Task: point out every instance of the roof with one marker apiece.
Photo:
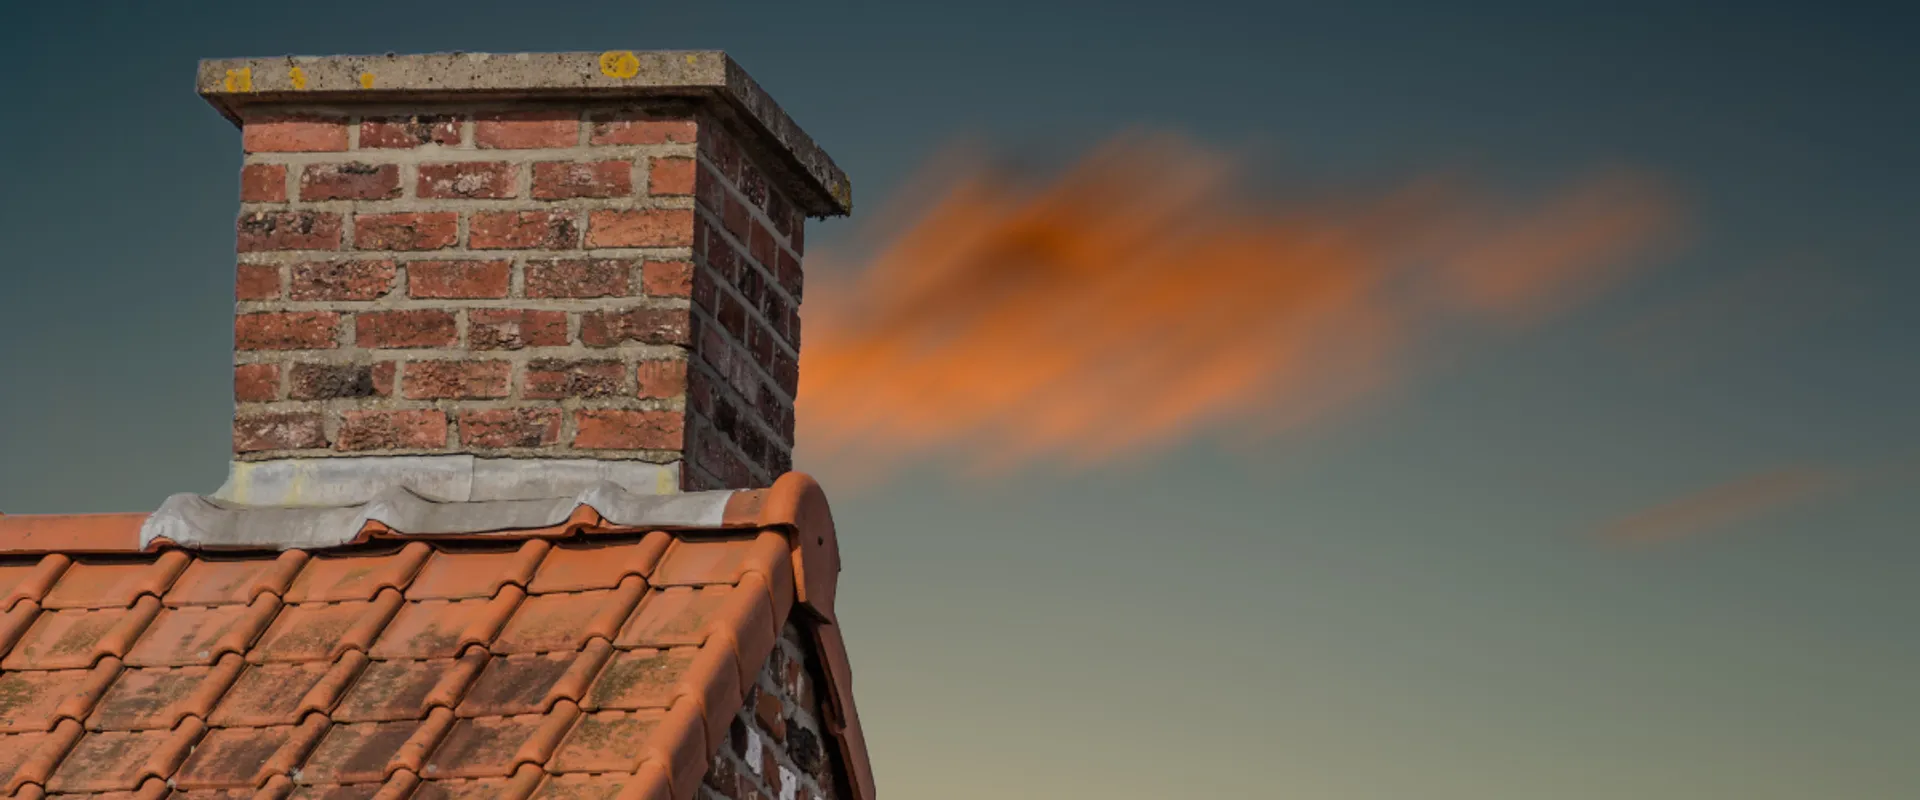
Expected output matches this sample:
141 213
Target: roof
589 658
817 183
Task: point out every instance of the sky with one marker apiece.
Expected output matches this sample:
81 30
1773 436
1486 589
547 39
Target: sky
1654 538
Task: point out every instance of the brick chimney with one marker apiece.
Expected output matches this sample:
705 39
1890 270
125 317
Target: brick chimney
568 257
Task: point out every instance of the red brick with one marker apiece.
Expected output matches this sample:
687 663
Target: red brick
763 246
471 179
510 427
561 180
288 230
256 282
294 135
341 280
789 274
263 183
399 329
550 379
578 278
671 176
615 130
523 230
253 433
256 383
652 227
667 278
456 380
662 379
409 132
458 279
350 181
709 190
613 429
392 430
512 329
526 130
645 325
340 381
285 330
410 231
737 218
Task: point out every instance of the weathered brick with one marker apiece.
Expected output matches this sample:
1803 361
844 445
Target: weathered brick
338 381
263 183
526 129
285 330
288 230
512 329
627 129
409 132
552 379
341 280
650 227
458 279
256 383
423 429
661 379
256 282
667 278
469 179
753 185
605 277
349 181
456 380
254 433
294 134
762 246
737 218
644 325
403 329
769 712
510 427
671 176
409 231
789 274
523 230
709 189
562 180
615 429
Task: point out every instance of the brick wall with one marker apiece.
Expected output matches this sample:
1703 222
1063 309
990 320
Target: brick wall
566 281
776 749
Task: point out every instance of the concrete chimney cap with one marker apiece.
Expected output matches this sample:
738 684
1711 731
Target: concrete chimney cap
233 85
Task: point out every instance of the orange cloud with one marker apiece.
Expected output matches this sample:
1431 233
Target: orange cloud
1717 507
1142 297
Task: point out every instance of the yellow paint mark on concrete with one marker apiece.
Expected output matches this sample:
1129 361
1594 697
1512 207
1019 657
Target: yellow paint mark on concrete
693 60
240 80
366 80
298 77
667 482
619 64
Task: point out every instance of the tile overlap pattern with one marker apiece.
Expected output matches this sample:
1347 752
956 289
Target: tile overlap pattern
604 666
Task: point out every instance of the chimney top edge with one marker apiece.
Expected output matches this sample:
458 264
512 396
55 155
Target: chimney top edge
231 85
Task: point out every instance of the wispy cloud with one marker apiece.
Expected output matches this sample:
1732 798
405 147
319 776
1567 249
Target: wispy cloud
1144 297
1719 507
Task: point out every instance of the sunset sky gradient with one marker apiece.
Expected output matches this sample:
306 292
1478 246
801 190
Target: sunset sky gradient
1503 400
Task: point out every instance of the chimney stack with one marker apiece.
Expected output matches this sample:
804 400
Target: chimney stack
557 260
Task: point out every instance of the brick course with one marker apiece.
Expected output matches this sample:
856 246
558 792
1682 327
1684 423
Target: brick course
776 745
571 282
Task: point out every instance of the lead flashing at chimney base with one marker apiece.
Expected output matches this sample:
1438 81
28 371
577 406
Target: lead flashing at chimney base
512 259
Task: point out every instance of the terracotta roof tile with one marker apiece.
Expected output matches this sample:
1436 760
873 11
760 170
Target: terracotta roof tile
114 582
581 661
442 628
202 634
322 631
230 579
76 638
358 576
476 571
160 698
579 566
565 621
